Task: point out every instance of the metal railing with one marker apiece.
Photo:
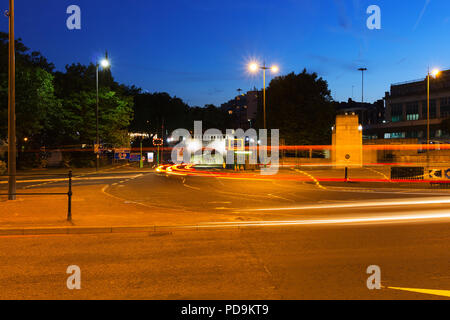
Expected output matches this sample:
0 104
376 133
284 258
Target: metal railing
69 193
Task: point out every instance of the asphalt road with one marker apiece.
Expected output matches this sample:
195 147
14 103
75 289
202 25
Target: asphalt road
285 240
263 263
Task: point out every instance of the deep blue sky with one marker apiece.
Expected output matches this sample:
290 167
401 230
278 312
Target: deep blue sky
198 49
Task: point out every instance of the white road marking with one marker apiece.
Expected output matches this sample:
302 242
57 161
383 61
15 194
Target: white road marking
191 187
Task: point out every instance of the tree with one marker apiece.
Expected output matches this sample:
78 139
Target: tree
153 111
76 88
35 99
300 106
211 117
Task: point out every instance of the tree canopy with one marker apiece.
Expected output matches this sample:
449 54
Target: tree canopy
300 106
58 108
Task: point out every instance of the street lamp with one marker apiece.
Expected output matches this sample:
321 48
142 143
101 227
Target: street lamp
434 73
362 83
253 67
105 64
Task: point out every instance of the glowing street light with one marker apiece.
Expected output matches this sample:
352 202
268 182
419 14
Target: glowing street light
435 72
253 67
105 64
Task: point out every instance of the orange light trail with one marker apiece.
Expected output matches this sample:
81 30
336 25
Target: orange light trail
188 170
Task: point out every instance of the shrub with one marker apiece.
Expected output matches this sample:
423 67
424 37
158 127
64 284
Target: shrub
2 167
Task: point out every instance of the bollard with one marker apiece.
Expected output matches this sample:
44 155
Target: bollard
346 174
69 194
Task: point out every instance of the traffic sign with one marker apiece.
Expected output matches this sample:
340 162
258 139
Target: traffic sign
135 157
236 144
122 155
158 142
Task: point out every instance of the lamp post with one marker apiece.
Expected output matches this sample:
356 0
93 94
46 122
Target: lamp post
239 106
11 107
435 73
105 64
362 85
253 68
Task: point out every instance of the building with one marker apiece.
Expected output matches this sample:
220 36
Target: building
406 111
243 109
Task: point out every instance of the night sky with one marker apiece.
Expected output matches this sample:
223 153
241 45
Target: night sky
198 49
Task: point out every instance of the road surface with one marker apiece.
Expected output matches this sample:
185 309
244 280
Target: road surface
284 240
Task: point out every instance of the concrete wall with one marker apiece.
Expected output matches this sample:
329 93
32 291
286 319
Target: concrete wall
347 142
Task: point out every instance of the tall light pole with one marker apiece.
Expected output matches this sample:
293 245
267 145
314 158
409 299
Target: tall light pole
362 85
239 90
253 68
105 64
11 107
435 73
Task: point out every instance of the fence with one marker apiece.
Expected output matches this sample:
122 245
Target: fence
69 194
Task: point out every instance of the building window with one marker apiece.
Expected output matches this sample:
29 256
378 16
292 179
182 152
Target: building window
395 135
412 134
432 109
397 112
445 107
412 111
398 135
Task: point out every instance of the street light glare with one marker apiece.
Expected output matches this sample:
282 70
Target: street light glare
275 69
253 67
436 72
104 63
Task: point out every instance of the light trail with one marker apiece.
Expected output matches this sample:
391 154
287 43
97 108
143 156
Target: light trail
340 221
188 170
365 204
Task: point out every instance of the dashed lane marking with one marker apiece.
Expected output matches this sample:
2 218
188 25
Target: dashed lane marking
312 178
380 173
